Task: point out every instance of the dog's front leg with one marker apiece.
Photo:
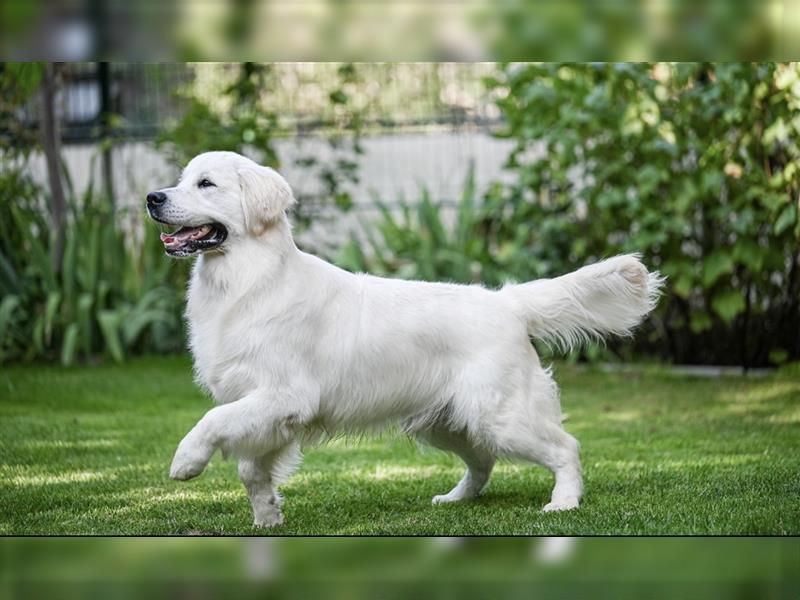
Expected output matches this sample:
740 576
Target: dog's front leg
259 478
260 423
256 475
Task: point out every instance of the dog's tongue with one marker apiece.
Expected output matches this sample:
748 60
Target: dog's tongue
184 234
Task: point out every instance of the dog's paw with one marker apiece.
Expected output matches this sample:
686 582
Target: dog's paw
449 498
266 519
189 462
563 504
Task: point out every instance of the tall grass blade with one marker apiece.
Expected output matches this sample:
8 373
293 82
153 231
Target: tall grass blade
109 321
70 344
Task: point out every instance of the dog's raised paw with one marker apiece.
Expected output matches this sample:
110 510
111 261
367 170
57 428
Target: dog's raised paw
185 471
188 464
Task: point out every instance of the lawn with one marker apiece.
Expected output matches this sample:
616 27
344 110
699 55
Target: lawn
85 450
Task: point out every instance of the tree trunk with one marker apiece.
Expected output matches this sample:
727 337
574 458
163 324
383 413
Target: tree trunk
104 77
51 143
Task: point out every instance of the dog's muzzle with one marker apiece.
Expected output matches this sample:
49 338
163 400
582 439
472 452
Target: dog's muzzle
186 240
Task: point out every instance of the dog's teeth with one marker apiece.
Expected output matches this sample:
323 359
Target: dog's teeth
201 231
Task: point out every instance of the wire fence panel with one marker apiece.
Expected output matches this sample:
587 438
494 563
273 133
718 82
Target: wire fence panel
422 126
140 99
143 99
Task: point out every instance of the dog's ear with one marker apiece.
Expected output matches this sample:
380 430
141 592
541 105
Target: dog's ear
265 197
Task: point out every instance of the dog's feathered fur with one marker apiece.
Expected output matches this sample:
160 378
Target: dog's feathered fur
289 344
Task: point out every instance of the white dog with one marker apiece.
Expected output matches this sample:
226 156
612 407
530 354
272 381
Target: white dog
291 346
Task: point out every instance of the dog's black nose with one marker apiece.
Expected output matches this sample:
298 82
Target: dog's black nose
156 198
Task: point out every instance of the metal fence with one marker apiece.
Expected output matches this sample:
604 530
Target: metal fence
423 125
137 101
128 101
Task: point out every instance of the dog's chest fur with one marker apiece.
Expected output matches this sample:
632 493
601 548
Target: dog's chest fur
218 348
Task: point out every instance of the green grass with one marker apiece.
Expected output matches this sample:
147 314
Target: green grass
356 568
86 450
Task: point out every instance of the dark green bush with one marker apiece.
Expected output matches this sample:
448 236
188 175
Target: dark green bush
694 165
113 295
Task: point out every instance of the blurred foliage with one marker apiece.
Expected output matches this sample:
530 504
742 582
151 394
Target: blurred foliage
18 83
246 124
695 165
114 296
326 30
380 95
416 242
628 30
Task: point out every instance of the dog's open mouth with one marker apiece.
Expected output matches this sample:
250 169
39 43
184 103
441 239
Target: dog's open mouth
188 240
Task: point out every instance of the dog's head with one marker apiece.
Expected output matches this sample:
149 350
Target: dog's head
221 197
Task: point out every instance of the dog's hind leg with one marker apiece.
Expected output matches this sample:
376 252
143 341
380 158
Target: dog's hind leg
261 475
547 444
529 426
559 452
479 461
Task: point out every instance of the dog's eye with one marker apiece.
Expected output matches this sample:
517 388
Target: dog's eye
204 183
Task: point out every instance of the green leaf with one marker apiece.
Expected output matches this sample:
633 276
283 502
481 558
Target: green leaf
343 201
786 219
728 304
141 317
430 220
750 254
84 320
716 265
38 336
53 303
9 281
69 345
776 132
683 285
700 322
7 308
338 97
351 257
109 322
778 356
466 207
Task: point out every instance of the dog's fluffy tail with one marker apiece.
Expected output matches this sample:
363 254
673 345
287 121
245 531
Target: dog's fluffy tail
607 298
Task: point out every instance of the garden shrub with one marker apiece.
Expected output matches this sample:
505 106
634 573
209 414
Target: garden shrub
694 165
110 294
